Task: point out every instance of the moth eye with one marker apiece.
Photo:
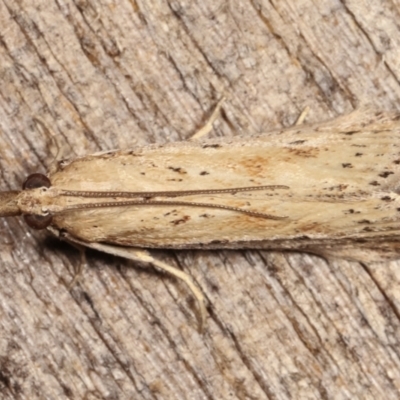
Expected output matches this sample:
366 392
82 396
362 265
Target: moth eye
35 181
38 221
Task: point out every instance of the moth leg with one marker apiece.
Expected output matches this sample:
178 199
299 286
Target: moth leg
302 116
140 255
82 264
146 257
59 151
207 127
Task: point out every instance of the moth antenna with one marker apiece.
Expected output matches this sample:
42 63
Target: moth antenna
169 203
172 193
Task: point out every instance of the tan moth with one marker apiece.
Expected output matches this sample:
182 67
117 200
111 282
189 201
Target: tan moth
330 189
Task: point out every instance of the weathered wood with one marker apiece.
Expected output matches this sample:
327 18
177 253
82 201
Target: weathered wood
101 75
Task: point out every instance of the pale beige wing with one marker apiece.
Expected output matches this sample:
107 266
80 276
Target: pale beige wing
342 184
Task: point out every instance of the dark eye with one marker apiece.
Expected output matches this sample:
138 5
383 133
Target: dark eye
38 221
35 181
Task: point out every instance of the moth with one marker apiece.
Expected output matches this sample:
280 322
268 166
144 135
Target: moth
330 189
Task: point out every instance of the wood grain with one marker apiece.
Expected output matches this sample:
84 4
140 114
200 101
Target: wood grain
100 75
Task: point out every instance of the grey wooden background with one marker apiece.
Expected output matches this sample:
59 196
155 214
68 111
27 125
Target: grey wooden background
118 74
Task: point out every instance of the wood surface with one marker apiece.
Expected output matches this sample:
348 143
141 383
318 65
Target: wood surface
99 75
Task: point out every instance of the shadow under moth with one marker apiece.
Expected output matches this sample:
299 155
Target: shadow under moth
330 189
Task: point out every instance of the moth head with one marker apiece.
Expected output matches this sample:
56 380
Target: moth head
36 181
